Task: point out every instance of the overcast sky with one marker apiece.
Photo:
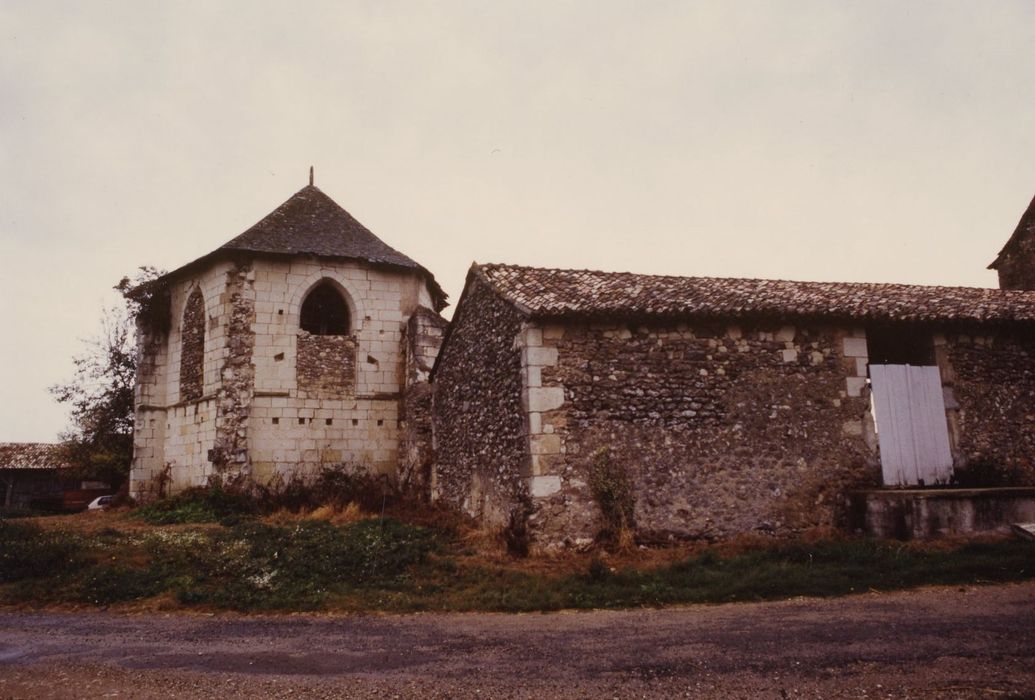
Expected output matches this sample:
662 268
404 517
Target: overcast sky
859 141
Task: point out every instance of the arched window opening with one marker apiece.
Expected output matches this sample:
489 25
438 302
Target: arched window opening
192 350
324 311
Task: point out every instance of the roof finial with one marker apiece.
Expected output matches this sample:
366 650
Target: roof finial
310 176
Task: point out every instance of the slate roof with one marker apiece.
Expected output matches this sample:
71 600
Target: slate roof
311 223
548 293
1026 224
30 455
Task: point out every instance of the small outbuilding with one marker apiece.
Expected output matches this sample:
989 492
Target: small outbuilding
32 471
567 402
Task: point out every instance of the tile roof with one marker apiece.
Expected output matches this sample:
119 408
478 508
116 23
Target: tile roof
311 223
30 455
586 293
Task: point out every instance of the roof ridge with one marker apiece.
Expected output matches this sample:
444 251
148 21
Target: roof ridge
551 292
747 279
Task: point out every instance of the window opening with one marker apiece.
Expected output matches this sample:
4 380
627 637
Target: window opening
324 311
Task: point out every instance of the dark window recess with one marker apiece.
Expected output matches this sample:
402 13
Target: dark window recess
355 421
324 311
381 422
276 421
301 421
329 421
900 345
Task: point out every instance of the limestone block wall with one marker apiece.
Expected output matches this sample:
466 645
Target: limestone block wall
254 415
169 431
322 400
480 436
719 429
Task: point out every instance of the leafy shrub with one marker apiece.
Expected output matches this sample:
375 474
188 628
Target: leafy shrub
228 502
207 504
336 486
613 492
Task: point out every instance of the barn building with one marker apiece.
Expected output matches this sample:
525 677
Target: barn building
570 401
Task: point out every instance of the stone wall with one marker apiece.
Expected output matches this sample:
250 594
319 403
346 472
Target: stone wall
718 429
170 430
192 357
253 416
424 333
1016 268
990 382
479 424
229 454
326 366
296 429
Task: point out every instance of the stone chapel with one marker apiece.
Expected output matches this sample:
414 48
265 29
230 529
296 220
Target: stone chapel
305 341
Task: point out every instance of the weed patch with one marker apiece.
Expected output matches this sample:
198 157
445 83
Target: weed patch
27 552
390 565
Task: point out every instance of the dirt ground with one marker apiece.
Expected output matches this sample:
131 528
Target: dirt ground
945 642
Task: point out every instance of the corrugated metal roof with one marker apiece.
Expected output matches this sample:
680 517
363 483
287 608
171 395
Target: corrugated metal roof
563 293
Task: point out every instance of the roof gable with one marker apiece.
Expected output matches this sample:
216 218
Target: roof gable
549 293
1026 226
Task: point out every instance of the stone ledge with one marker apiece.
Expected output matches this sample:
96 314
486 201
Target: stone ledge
930 513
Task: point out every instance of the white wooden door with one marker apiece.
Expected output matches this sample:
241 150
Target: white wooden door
911 427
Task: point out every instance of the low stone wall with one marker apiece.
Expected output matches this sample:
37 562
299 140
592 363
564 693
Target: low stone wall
930 513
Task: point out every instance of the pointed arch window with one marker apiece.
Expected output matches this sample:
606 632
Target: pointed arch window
324 311
192 350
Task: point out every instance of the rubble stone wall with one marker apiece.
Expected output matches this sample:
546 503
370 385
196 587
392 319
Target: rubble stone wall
718 429
424 333
326 366
990 383
192 355
480 442
1017 268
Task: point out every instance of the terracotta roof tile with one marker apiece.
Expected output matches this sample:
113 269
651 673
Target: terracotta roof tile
30 455
563 293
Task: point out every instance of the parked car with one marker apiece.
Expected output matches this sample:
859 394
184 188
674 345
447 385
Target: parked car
100 503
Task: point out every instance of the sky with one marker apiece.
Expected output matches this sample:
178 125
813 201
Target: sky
855 141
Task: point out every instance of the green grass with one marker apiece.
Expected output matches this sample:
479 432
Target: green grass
394 566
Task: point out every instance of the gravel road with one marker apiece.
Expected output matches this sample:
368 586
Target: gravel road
944 642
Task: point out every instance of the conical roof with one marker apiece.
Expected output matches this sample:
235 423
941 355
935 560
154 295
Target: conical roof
311 223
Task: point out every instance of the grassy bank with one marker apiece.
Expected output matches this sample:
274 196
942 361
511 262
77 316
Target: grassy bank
344 561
